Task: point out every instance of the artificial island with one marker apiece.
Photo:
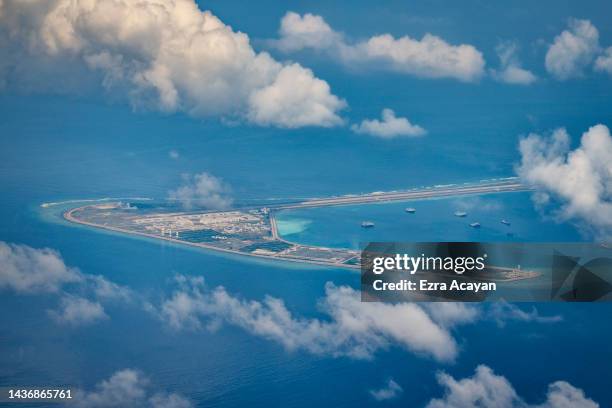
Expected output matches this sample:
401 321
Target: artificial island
252 231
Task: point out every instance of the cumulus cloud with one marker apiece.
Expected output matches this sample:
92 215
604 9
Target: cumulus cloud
202 191
484 389
604 61
429 57
579 180
307 31
487 389
296 98
573 50
562 394
163 55
354 329
28 270
102 288
173 154
502 312
77 311
161 400
510 70
130 389
391 390
388 127
449 314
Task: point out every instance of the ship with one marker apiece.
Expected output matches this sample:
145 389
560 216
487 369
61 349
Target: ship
367 224
505 222
475 225
460 214
410 210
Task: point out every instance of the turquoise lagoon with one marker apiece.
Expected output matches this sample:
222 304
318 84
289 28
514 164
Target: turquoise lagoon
434 220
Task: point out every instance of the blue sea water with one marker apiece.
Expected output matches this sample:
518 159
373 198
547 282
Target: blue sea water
49 160
55 148
434 220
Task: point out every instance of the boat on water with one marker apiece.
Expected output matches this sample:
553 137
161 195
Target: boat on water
475 225
460 214
410 210
367 224
505 222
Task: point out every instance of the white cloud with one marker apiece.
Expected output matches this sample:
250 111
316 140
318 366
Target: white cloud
573 50
449 314
308 31
29 270
163 55
130 389
173 154
161 400
391 390
580 180
510 70
604 61
487 389
77 311
562 394
389 127
503 312
202 191
296 98
484 389
513 74
354 329
104 289
429 57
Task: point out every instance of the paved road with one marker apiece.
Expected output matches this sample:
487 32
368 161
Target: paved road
507 185
493 187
